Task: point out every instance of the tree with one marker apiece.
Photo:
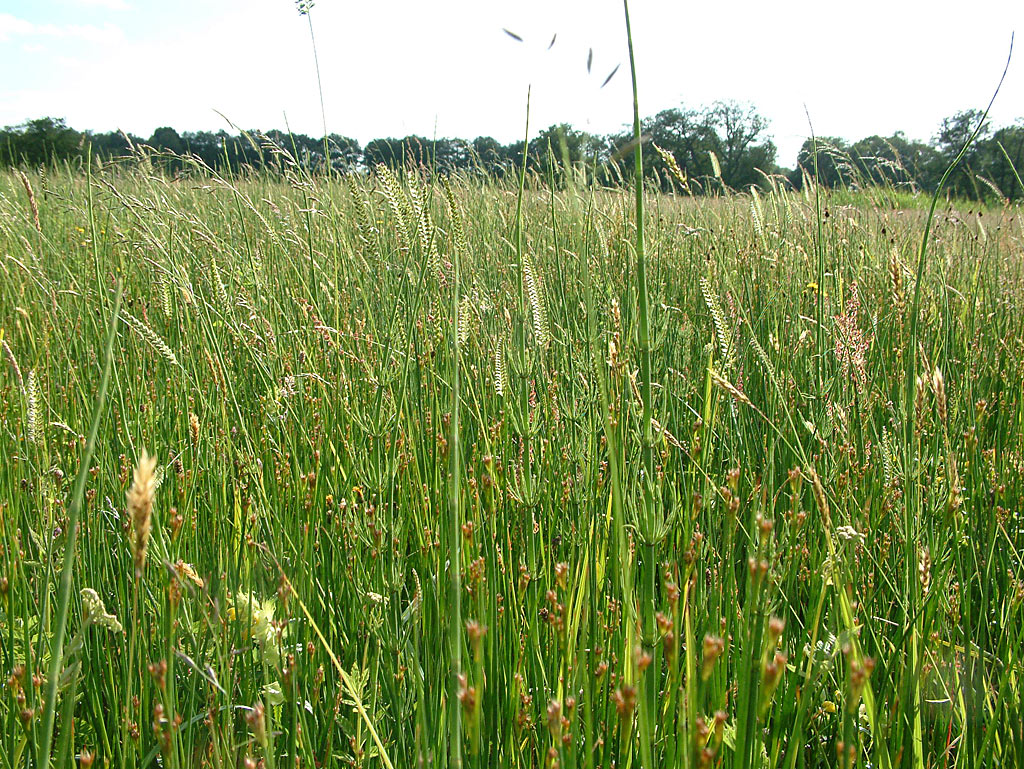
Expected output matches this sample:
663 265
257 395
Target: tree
442 155
449 155
556 143
953 135
734 132
112 144
895 161
738 135
489 155
166 138
409 151
1004 169
167 141
42 140
826 158
683 133
346 155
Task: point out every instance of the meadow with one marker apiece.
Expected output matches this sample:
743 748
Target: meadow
397 470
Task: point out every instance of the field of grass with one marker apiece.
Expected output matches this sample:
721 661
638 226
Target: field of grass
423 496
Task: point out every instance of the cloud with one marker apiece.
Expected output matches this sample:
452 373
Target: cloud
110 5
12 26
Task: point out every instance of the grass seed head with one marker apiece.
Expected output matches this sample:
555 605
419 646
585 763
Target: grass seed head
140 508
9 354
33 205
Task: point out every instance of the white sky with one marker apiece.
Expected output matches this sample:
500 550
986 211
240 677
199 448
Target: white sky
445 67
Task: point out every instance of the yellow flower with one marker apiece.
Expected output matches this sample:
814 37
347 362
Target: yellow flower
260 615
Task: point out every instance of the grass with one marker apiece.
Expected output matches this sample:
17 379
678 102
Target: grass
403 513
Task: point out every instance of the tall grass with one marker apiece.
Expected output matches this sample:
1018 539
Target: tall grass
399 516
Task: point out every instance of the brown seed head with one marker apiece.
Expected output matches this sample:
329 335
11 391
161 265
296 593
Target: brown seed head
140 509
193 428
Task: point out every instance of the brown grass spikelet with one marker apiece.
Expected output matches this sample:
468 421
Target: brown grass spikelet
851 343
193 428
819 496
9 354
140 508
31 200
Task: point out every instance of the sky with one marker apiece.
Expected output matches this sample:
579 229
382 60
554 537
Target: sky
447 68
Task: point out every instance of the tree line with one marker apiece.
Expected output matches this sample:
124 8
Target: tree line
701 150
990 168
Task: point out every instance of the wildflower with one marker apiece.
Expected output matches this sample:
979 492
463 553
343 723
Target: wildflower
260 615
95 613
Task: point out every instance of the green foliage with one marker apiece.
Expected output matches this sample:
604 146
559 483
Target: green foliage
896 163
41 141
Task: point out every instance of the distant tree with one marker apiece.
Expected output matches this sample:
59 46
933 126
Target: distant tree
269 140
557 143
112 144
738 136
917 157
299 149
208 146
734 132
166 138
951 138
826 158
957 129
489 155
386 151
394 153
1004 169
346 154
685 134
42 140
449 155
894 160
